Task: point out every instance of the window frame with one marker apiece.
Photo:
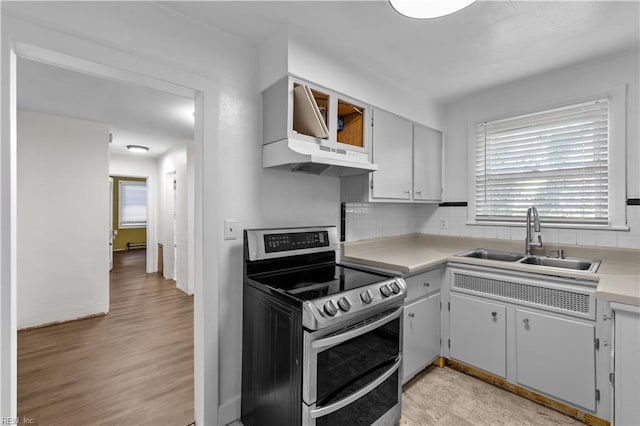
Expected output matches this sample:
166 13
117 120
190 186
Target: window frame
617 160
136 225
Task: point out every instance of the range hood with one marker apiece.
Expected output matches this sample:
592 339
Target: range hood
307 157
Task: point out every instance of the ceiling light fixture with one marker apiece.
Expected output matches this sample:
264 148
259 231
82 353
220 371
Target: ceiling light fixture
138 148
424 9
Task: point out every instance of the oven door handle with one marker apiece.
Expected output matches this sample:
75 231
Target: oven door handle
323 411
343 337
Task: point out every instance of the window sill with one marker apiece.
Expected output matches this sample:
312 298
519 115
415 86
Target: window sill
582 227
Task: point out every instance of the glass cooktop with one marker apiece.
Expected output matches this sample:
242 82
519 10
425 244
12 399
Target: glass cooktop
319 281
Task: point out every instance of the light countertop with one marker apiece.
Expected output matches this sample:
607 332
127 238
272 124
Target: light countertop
618 278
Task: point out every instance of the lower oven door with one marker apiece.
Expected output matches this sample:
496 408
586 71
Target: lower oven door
352 376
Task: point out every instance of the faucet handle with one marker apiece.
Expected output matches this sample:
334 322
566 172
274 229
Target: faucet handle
559 253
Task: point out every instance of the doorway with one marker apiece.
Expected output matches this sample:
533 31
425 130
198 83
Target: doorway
95 322
90 57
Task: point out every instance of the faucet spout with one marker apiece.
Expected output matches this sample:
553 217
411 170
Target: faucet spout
536 219
533 221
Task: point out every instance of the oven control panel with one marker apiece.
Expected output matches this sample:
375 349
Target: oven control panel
295 241
274 243
330 310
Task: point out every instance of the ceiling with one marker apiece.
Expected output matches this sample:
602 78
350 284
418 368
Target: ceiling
487 44
136 115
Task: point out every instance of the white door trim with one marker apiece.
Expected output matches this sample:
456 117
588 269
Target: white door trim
31 41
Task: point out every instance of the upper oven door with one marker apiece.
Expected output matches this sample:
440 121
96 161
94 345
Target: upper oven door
343 362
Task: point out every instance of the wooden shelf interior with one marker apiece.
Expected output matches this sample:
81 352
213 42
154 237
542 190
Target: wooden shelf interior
350 123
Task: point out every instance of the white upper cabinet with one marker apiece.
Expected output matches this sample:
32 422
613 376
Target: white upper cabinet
295 108
392 139
409 159
311 129
427 164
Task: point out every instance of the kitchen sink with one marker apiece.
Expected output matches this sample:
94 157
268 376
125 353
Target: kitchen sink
552 262
492 255
566 263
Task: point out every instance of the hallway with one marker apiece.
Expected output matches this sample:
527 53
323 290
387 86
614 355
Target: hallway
133 366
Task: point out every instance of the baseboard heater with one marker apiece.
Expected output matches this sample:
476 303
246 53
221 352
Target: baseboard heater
134 246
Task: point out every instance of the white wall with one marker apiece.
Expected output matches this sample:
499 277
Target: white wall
542 90
233 182
327 70
144 167
174 163
365 221
63 219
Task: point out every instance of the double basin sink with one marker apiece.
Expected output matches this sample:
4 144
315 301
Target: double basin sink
575 264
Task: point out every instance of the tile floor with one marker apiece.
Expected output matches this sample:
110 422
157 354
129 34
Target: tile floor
442 396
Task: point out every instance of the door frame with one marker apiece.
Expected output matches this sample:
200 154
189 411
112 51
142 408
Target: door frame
34 42
169 210
110 223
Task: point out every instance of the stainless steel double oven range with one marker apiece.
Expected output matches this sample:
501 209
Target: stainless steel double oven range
322 342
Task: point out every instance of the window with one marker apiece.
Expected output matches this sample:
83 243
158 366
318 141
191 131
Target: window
568 162
132 211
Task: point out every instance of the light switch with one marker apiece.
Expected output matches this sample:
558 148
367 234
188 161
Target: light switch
230 232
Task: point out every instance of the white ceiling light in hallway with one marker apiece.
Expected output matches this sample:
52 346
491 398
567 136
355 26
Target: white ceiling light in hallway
138 149
425 9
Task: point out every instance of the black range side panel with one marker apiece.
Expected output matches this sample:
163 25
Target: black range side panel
271 361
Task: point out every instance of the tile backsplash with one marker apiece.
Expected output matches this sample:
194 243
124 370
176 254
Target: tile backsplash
367 220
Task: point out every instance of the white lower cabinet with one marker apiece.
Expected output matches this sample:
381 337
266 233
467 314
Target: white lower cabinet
626 365
478 333
421 344
422 332
538 332
556 356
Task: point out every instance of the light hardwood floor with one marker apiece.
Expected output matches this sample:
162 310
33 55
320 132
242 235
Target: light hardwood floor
131 367
442 396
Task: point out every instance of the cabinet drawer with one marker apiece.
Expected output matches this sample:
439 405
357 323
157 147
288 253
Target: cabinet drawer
422 284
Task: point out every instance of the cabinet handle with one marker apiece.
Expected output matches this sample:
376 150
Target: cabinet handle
427 284
411 315
494 314
526 320
418 192
408 191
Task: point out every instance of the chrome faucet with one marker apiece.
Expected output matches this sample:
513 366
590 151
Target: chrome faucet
529 242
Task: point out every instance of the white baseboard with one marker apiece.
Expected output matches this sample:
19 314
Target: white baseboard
229 412
39 323
184 289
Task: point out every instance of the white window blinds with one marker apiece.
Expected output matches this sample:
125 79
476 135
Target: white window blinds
132 210
557 160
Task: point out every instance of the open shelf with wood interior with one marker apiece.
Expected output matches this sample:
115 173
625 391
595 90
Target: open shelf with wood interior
350 123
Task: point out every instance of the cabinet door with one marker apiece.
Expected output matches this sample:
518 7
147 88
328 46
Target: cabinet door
392 152
478 333
427 164
421 339
627 368
556 356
